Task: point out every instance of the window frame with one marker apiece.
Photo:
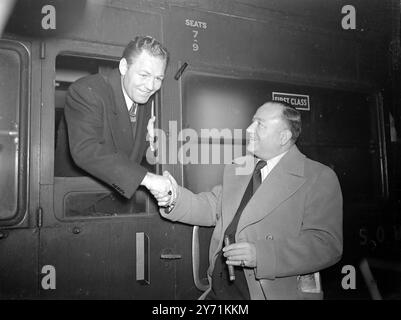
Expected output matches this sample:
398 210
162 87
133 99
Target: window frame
368 92
23 130
64 185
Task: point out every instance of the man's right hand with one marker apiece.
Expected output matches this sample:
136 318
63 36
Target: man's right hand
156 183
161 187
170 199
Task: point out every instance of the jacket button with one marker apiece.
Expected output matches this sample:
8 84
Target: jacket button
269 237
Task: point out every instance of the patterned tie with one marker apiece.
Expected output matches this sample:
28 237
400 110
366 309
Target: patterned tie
132 112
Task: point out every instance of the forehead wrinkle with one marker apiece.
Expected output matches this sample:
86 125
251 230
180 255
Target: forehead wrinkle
269 118
146 59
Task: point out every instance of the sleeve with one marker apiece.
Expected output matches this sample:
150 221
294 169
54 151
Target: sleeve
319 243
85 120
202 209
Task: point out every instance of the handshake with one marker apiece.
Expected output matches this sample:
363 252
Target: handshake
164 188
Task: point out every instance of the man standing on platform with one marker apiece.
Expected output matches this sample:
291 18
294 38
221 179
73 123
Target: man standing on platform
284 219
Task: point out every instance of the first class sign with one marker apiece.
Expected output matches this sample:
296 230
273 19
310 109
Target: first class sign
299 101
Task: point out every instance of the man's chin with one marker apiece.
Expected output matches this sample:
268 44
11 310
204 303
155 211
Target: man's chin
142 100
251 148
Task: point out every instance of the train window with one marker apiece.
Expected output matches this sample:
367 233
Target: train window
219 102
82 195
68 70
215 107
13 132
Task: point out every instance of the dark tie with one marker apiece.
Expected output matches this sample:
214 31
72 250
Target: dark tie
257 175
132 113
253 185
222 288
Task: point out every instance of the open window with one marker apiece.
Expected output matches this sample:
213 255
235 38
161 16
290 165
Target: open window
79 194
68 70
14 110
338 130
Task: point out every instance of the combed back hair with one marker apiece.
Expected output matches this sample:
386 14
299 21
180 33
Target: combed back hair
145 43
293 118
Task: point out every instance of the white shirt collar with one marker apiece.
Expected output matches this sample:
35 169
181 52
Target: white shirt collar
270 164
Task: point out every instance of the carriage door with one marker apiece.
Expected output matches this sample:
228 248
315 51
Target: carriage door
18 239
95 243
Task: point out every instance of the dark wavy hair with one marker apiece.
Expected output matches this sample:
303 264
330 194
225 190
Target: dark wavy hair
145 43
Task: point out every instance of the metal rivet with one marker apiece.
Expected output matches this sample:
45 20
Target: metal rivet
3 234
76 230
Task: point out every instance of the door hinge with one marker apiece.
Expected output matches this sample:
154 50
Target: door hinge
39 217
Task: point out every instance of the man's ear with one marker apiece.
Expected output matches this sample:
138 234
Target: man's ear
123 66
285 136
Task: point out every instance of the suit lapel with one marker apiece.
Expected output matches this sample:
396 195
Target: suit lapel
234 189
282 182
120 125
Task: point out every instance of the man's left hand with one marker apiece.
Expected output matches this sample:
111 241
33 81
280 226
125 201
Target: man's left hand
241 254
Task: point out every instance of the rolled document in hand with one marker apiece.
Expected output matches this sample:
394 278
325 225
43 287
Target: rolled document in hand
151 128
230 267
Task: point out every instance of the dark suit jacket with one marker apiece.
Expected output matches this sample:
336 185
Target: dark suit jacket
100 133
294 219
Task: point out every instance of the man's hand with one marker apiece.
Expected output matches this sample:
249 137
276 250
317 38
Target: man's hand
158 185
171 197
163 188
241 254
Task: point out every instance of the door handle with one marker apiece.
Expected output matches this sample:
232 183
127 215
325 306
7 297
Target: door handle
199 283
167 254
170 256
9 133
142 258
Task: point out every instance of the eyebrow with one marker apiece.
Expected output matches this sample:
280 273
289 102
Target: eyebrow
259 119
149 73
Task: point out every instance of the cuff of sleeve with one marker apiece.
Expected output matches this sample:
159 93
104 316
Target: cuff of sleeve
266 260
135 182
176 206
169 208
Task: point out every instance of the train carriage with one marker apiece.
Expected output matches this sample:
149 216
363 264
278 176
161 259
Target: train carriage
227 58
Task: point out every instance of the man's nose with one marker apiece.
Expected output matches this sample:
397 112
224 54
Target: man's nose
150 84
251 127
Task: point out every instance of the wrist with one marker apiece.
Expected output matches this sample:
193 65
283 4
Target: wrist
169 208
146 180
172 192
